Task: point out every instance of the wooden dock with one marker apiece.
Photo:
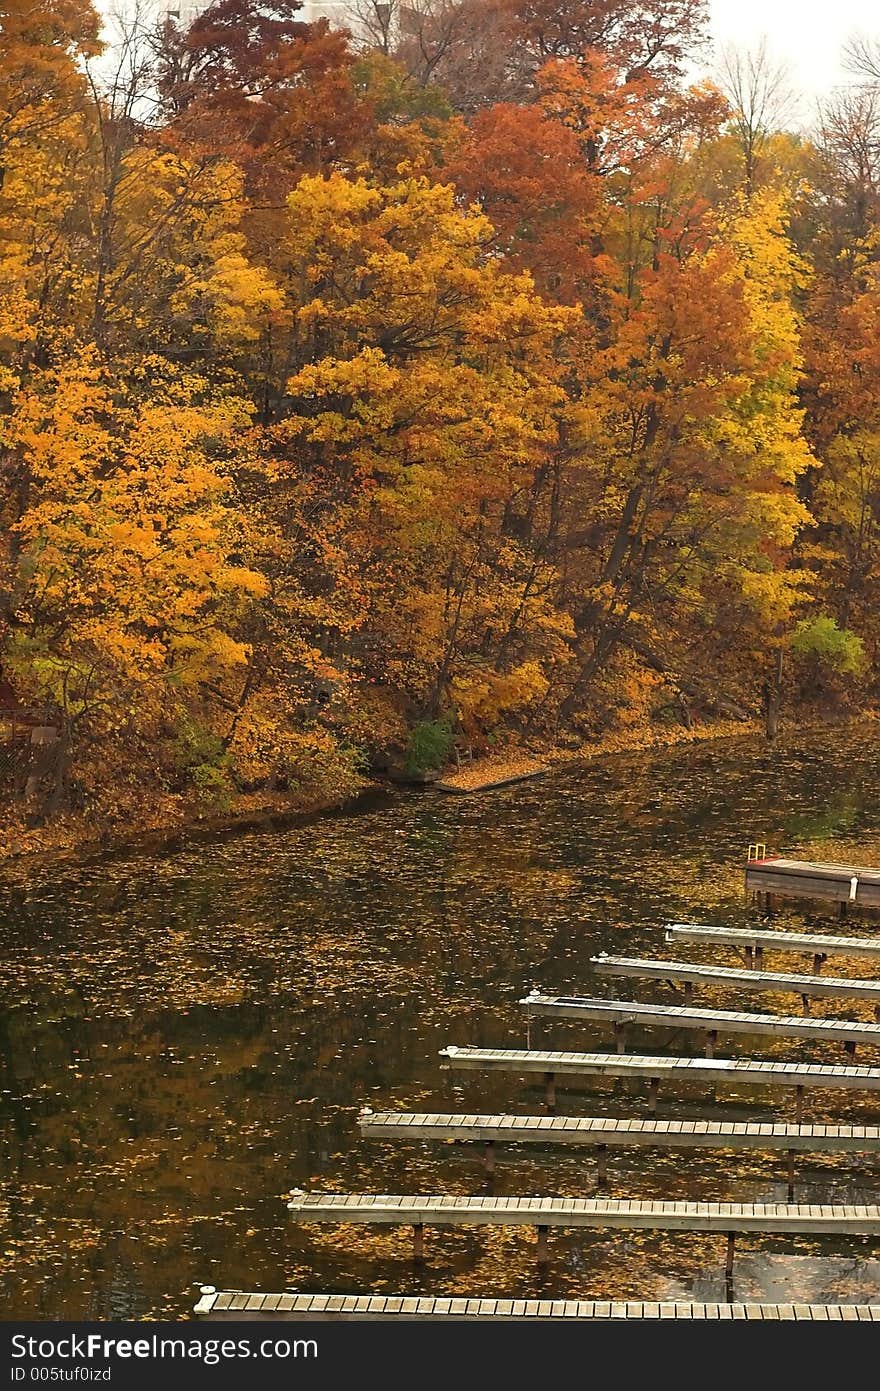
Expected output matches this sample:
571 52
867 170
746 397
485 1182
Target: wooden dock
711 1022
487 774
691 974
444 1210
754 941
845 885
750 1071
601 1133
217 1305
604 1130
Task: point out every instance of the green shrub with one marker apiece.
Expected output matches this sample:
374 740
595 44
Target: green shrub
430 742
836 649
214 785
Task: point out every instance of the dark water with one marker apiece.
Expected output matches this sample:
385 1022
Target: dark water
187 1036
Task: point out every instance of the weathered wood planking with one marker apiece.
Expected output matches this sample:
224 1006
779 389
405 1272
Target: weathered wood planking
842 884
444 1210
693 974
604 1130
758 938
720 1021
234 1304
758 1072
490 782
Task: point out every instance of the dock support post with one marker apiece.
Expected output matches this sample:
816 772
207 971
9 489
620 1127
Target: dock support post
620 1035
489 1157
602 1165
818 959
543 1252
749 958
759 957
550 1081
850 1047
805 1002
688 991
799 1105
418 1243
711 1040
653 1088
877 1013
791 1176
728 1265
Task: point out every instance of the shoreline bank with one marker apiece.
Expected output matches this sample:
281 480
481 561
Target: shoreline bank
175 823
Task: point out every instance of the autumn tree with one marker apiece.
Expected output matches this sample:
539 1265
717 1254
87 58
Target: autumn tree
760 98
691 418
250 81
420 417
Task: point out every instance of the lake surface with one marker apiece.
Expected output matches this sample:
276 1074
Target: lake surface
186 1036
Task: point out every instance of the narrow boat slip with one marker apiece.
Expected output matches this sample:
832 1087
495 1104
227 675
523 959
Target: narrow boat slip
448 1211
757 1071
759 939
603 1130
722 1021
693 974
234 1304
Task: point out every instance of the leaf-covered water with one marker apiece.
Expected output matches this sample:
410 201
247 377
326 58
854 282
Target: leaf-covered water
186 1036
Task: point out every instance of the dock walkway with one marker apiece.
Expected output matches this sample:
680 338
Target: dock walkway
751 1071
620 1013
691 974
236 1304
604 1130
754 941
444 1210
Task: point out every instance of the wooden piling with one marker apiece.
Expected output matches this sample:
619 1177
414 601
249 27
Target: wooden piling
543 1252
620 1035
711 1040
602 1165
418 1242
550 1082
653 1088
791 1176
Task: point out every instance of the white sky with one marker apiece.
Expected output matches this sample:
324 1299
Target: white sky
808 35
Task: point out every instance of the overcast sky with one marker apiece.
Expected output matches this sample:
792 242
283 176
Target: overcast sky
807 34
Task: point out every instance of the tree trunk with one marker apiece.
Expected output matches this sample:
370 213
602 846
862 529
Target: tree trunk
774 697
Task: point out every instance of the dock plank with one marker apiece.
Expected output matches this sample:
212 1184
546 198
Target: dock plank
214 1307
695 974
584 1007
749 1070
769 940
438 1210
593 1130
